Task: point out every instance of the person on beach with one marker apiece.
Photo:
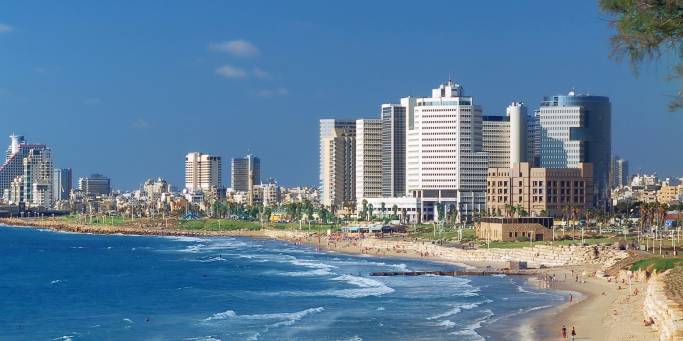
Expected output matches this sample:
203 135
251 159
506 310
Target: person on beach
564 332
573 333
571 298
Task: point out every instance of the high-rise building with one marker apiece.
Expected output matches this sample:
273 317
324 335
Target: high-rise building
28 170
368 158
619 172
577 129
393 150
337 163
445 163
496 140
14 163
202 172
246 173
62 182
95 184
34 186
533 141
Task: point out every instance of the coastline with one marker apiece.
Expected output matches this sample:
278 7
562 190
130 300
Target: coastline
591 313
604 310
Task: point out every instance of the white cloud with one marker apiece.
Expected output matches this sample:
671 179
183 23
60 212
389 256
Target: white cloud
140 123
267 93
260 73
229 71
4 28
239 48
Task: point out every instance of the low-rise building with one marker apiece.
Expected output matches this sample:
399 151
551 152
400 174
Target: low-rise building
511 229
539 191
405 209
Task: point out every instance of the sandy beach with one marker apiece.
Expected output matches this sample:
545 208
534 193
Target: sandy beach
601 310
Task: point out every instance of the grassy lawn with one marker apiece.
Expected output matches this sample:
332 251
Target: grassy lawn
102 220
516 244
218 225
426 231
657 263
305 227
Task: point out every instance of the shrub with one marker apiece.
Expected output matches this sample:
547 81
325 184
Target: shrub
522 239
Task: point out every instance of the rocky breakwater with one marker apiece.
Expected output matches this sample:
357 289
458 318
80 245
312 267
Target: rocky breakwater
662 306
535 256
122 229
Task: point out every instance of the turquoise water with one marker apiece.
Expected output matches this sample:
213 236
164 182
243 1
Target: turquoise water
68 286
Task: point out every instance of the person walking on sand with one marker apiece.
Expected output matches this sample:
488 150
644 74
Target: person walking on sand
573 333
571 298
564 332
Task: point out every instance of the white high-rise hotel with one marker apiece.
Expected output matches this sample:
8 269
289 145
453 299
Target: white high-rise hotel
202 172
444 159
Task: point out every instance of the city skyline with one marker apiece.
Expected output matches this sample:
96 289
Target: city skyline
241 78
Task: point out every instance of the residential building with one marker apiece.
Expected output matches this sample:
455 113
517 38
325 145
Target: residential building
669 194
33 187
271 193
154 189
619 173
393 152
13 166
337 163
246 173
202 172
62 182
539 191
445 162
576 129
95 184
496 140
368 158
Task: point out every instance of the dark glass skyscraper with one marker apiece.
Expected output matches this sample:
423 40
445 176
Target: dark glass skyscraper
577 129
242 169
393 150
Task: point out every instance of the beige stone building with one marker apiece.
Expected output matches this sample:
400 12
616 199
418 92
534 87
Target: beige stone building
539 191
511 229
669 194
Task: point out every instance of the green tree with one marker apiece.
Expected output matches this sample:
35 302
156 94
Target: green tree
646 30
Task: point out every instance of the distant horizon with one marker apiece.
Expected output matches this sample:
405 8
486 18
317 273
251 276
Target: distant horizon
130 100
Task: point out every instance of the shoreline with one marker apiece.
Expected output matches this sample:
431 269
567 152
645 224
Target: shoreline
591 314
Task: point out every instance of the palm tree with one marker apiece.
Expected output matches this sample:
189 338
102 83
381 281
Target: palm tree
382 208
370 208
394 211
365 210
575 215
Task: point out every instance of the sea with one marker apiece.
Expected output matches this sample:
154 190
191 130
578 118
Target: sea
72 286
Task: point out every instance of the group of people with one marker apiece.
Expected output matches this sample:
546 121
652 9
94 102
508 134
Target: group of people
564 333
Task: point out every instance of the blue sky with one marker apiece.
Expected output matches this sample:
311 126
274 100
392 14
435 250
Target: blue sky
127 88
